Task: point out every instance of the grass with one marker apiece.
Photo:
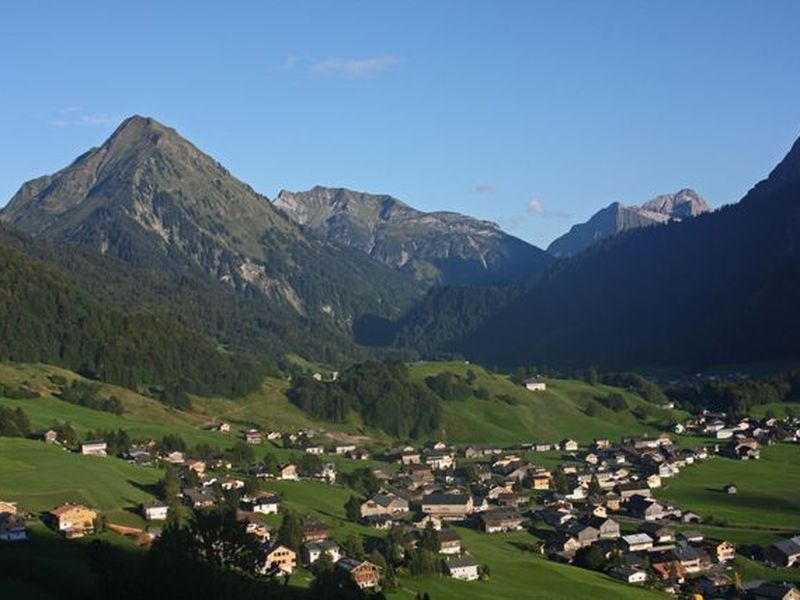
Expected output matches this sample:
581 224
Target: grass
767 489
780 409
547 416
518 574
39 477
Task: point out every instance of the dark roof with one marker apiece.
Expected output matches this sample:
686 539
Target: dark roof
445 499
465 560
448 535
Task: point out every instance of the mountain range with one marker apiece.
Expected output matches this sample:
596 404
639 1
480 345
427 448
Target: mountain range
616 218
148 224
437 248
719 288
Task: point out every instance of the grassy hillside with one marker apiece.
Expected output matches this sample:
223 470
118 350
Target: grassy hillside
767 494
519 574
39 477
523 416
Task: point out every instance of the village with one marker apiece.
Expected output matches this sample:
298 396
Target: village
594 506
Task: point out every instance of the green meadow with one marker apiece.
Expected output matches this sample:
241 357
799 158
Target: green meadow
516 573
767 495
514 414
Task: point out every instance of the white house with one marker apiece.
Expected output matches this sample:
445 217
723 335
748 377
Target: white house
312 551
628 575
463 567
535 385
154 511
266 504
94 448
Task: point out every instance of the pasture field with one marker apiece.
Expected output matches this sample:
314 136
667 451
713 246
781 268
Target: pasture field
767 489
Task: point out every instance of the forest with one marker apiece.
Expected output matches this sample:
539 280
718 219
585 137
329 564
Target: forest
381 393
46 318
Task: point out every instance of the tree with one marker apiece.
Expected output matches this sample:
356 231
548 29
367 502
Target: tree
518 376
290 533
429 539
590 557
352 509
591 377
594 486
560 481
354 546
309 465
241 453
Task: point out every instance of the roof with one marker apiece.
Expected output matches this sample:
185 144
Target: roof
637 538
460 562
448 535
64 508
789 547
349 564
445 499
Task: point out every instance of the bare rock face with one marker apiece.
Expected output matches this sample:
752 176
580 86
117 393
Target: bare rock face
436 248
617 218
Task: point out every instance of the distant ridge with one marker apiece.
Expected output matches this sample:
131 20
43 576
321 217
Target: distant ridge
436 248
617 217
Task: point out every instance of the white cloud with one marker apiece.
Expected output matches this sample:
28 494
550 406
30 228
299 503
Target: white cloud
341 67
537 209
353 67
103 119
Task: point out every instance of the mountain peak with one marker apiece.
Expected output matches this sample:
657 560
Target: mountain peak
616 217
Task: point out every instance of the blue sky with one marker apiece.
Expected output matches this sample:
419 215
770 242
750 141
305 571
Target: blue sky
531 114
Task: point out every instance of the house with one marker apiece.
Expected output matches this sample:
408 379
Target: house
500 520
465 567
586 534
426 520
328 473
440 460
313 530
312 551
279 559
661 534
344 449
450 542
253 436
562 544
540 482
785 553
633 488
364 574
761 590
154 511
199 497
535 385
12 527
607 529
48 436
646 508
722 550
8 507
315 450
410 457
288 472
447 506
637 542
198 466
569 445
629 575
384 503
266 504
94 448
231 483
174 458
73 520
690 557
